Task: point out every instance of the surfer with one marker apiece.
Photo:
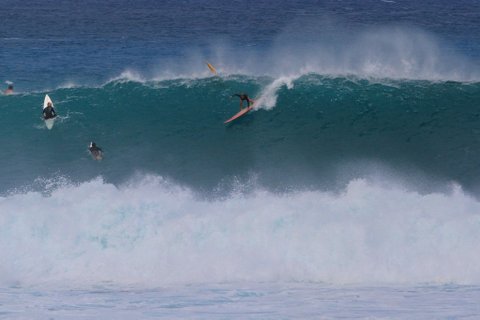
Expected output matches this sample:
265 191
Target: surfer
243 97
95 151
9 89
49 112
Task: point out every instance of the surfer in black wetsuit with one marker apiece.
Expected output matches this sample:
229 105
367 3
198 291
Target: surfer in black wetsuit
243 97
96 152
49 112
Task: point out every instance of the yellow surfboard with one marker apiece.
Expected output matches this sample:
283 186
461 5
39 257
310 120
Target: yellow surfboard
212 68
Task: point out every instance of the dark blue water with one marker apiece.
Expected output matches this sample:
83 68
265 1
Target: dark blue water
47 43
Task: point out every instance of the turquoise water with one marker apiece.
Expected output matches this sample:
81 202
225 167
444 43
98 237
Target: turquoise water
316 127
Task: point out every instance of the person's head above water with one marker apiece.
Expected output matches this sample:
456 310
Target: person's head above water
9 89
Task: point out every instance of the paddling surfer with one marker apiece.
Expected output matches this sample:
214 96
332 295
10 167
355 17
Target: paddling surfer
49 112
243 97
95 151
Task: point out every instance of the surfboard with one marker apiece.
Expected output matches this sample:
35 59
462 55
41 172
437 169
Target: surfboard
48 122
212 68
239 114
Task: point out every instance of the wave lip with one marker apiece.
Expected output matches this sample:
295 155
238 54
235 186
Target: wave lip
384 52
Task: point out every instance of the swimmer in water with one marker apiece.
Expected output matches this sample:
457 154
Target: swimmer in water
9 89
95 151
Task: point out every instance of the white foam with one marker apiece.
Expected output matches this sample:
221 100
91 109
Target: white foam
68 85
152 233
268 97
129 75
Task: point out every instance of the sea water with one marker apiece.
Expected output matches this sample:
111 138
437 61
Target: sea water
350 191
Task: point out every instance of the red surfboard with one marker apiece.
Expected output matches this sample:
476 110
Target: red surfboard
239 114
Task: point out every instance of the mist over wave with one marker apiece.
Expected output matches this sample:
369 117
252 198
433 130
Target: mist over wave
152 232
388 52
324 47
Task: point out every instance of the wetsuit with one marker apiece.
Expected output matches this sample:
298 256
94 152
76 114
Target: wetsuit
49 113
95 151
243 97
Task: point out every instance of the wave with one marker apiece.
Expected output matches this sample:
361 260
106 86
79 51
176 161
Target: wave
152 232
313 131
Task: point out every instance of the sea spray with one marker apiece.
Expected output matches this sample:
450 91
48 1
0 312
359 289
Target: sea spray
153 232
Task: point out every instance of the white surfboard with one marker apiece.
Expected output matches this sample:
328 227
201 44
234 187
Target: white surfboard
48 122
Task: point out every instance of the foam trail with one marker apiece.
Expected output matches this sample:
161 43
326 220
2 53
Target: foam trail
268 97
154 233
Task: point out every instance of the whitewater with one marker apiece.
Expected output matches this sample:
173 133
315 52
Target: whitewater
96 232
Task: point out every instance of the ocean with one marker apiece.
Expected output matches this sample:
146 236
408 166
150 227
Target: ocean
351 189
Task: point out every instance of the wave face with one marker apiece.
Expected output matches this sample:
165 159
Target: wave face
311 131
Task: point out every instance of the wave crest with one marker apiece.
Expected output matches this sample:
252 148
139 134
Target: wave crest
382 53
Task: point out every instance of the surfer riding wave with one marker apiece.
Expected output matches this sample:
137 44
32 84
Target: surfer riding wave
243 97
